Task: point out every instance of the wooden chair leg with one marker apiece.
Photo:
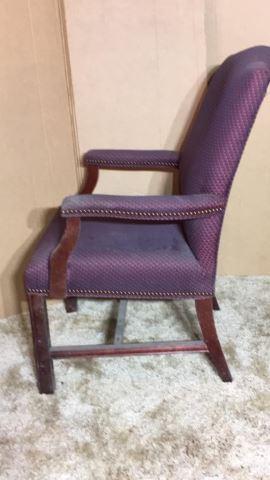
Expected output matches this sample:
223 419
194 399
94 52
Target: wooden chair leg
71 304
215 304
41 341
204 310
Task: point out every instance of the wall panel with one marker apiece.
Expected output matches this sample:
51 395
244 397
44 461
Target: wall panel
36 144
136 70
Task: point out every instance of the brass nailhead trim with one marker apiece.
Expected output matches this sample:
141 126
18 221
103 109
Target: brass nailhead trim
145 214
118 163
117 292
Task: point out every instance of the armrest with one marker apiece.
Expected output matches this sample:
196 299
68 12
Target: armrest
145 208
132 159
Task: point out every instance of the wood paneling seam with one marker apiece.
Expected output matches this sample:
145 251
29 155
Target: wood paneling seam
71 104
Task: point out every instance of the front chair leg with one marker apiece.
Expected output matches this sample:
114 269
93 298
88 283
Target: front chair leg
71 304
204 310
42 343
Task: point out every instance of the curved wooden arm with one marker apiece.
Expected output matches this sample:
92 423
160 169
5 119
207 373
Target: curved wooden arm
91 179
59 259
60 255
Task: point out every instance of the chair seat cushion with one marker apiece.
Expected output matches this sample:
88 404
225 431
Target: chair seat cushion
122 259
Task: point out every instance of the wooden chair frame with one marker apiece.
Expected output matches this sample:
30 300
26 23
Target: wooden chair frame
45 353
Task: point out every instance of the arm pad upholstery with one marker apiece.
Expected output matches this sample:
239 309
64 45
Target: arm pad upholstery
145 208
132 159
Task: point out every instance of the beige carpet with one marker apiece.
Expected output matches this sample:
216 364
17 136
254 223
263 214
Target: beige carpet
151 418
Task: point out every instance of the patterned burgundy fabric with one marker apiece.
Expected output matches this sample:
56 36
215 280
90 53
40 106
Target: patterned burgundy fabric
213 147
132 158
114 259
121 258
145 208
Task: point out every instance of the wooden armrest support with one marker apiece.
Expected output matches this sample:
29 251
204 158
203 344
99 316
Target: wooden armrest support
59 259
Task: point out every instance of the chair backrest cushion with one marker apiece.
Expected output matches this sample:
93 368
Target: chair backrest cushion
215 142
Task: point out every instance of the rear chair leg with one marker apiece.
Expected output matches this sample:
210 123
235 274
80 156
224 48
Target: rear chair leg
71 304
204 310
215 304
42 343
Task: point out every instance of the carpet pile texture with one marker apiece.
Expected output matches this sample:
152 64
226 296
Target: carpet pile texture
141 418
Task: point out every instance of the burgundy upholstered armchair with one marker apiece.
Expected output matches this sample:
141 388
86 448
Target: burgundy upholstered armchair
150 247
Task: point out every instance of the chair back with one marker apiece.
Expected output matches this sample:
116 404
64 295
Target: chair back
214 144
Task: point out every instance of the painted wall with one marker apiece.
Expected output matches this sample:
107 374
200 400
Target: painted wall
36 144
137 71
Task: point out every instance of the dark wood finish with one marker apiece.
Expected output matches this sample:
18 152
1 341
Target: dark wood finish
120 322
42 343
215 304
71 304
204 310
45 353
59 258
151 348
91 179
